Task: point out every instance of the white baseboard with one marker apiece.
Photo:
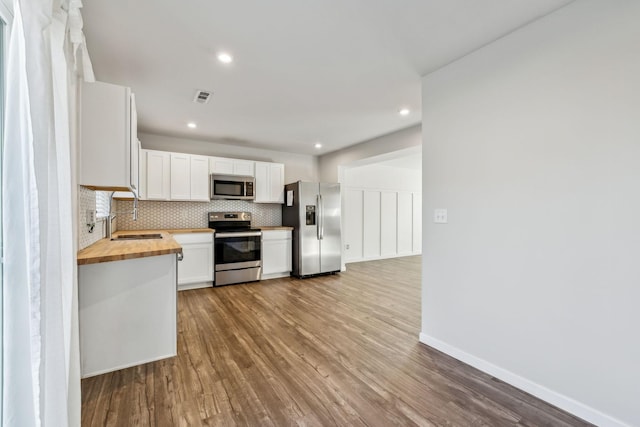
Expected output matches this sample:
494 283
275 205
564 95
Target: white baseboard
381 257
199 285
174 353
561 401
275 275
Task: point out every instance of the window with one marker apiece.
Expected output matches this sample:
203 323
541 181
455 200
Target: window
102 203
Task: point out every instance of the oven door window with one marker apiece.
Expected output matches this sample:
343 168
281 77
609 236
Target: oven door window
228 188
237 249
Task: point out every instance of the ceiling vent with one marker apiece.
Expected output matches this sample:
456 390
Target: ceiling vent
202 96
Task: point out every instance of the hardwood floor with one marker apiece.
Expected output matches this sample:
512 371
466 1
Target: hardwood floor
336 350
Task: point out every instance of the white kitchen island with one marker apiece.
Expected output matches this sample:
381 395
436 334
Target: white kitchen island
127 312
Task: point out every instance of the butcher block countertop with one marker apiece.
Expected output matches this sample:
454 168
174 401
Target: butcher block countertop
106 250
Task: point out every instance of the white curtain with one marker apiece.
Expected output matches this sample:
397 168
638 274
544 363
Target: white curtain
40 372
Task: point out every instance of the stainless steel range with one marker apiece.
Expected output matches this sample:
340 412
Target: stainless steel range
236 248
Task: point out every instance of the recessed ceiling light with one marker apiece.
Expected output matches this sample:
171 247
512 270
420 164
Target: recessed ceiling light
318 145
404 111
192 125
225 58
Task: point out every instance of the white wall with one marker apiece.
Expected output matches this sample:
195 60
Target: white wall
329 163
378 211
533 145
297 166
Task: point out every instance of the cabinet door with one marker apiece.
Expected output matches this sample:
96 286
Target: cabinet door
142 161
158 180
197 263
243 167
105 137
180 176
269 182
276 254
220 165
262 182
276 183
200 178
134 147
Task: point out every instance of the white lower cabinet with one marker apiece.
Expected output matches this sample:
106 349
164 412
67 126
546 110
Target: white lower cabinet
276 253
196 268
127 313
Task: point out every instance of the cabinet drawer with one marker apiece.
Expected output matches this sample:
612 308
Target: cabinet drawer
187 238
276 234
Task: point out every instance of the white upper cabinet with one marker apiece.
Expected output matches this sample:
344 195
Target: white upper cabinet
199 178
189 177
269 182
158 175
243 167
225 166
180 176
108 138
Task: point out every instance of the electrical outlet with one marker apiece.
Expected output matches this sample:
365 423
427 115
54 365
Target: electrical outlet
91 217
346 246
440 216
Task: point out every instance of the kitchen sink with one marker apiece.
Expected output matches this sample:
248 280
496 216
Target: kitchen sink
137 236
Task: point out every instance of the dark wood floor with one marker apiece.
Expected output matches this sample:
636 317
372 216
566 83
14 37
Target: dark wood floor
330 351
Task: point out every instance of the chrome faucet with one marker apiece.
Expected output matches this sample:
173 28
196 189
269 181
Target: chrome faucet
112 215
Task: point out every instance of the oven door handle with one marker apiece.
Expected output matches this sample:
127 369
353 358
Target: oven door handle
239 234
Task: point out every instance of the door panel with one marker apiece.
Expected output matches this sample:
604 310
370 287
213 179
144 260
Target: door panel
405 218
417 223
331 242
353 225
388 223
309 244
371 224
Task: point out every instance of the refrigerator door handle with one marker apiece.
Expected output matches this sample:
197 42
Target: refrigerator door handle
318 217
321 216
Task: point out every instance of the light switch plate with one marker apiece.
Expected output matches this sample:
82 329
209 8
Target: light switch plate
440 216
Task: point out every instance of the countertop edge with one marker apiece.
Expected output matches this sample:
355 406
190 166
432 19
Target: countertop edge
106 250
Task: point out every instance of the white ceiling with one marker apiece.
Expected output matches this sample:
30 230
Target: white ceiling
333 71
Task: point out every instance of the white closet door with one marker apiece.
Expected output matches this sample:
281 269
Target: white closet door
405 226
353 225
388 223
417 223
371 229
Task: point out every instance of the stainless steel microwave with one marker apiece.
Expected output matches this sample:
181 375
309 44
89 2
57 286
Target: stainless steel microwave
232 187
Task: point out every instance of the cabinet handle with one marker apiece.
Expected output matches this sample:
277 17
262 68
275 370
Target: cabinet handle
180 256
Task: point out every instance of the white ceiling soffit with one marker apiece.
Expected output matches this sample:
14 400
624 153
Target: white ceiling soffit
304 71
406 158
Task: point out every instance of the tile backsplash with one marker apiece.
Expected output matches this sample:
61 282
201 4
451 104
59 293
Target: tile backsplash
87 200
154 215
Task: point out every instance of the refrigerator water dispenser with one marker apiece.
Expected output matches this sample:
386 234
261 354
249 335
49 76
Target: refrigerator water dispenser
311 215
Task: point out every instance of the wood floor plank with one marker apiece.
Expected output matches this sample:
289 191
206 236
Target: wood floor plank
333 350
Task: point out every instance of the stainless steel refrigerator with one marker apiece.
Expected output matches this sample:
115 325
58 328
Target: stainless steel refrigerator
313 210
